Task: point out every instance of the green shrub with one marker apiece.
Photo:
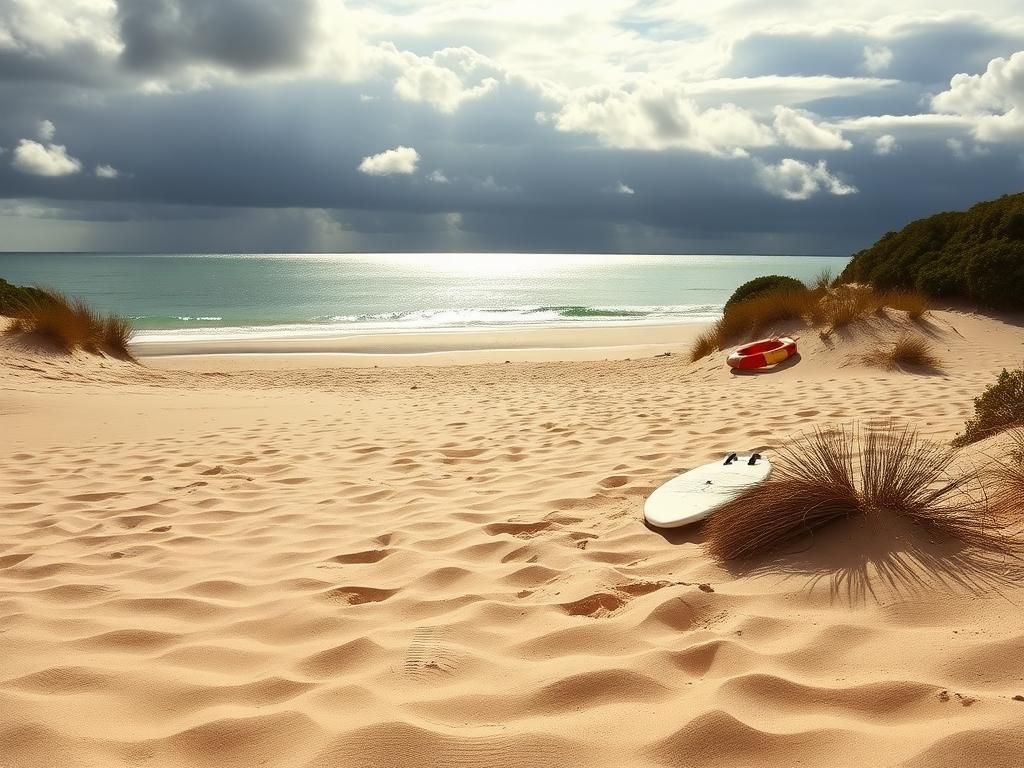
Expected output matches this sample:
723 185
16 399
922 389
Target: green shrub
995 275
976 254
999 407
759 286
15 298
938 280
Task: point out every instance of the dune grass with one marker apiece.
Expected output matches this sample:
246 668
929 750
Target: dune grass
845 472
822 305
916 305
1006 478
908 351
69 324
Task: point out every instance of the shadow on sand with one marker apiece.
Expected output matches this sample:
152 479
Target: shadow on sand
883 556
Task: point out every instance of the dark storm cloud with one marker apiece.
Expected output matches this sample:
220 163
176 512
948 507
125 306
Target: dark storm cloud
78 64
260 165
201 157
241 34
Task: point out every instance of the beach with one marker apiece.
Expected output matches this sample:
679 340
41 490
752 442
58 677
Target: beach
428 550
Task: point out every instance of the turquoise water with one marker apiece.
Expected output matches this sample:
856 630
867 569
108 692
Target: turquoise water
183 296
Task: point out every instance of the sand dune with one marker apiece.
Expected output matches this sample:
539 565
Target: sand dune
433 566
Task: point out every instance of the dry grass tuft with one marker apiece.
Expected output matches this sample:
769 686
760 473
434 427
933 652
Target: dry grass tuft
822 281
117 333
904 474
908 351
822 306
812 484
842 472
69 324
1006 477
704 345
916 305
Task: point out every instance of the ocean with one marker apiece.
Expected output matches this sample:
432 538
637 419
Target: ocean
179 297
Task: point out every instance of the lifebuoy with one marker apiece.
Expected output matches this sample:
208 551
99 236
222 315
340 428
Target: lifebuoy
760 354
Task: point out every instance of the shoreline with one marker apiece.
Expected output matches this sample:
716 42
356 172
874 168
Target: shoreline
535 344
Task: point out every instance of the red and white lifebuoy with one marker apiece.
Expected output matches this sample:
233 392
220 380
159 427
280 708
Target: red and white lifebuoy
760 354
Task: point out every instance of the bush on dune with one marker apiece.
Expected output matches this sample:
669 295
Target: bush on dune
976 255
838 473
998 408
69 324
14 298
765 284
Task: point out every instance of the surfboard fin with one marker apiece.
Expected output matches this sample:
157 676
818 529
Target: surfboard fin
730 459
753 459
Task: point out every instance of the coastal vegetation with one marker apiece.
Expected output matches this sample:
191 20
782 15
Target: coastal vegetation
14 298
62 322
1007 476
976 255
821 306
1000 407
765 284
908 351
881 474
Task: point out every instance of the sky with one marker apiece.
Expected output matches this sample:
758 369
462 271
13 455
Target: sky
629 126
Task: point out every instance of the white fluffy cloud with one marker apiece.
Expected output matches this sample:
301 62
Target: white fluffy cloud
624 189
660 116
44 160
796 128
886 144
437 177
993 100
104 171
445 80
397 161
797 180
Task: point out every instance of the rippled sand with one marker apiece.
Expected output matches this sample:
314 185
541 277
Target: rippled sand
447 566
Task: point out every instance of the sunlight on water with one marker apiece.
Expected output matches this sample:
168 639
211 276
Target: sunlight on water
204 295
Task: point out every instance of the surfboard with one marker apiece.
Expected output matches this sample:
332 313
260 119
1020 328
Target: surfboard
694 495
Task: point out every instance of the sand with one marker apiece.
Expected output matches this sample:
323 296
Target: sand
311 564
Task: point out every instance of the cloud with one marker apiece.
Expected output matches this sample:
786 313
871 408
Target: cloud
658 116
993 100
104 171
796 128
797 180
35 159
886 144
877 58
400 160
624 189
701 107
242 35
962 151
46 130
446 79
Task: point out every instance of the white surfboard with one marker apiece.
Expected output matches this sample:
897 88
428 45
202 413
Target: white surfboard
694 495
